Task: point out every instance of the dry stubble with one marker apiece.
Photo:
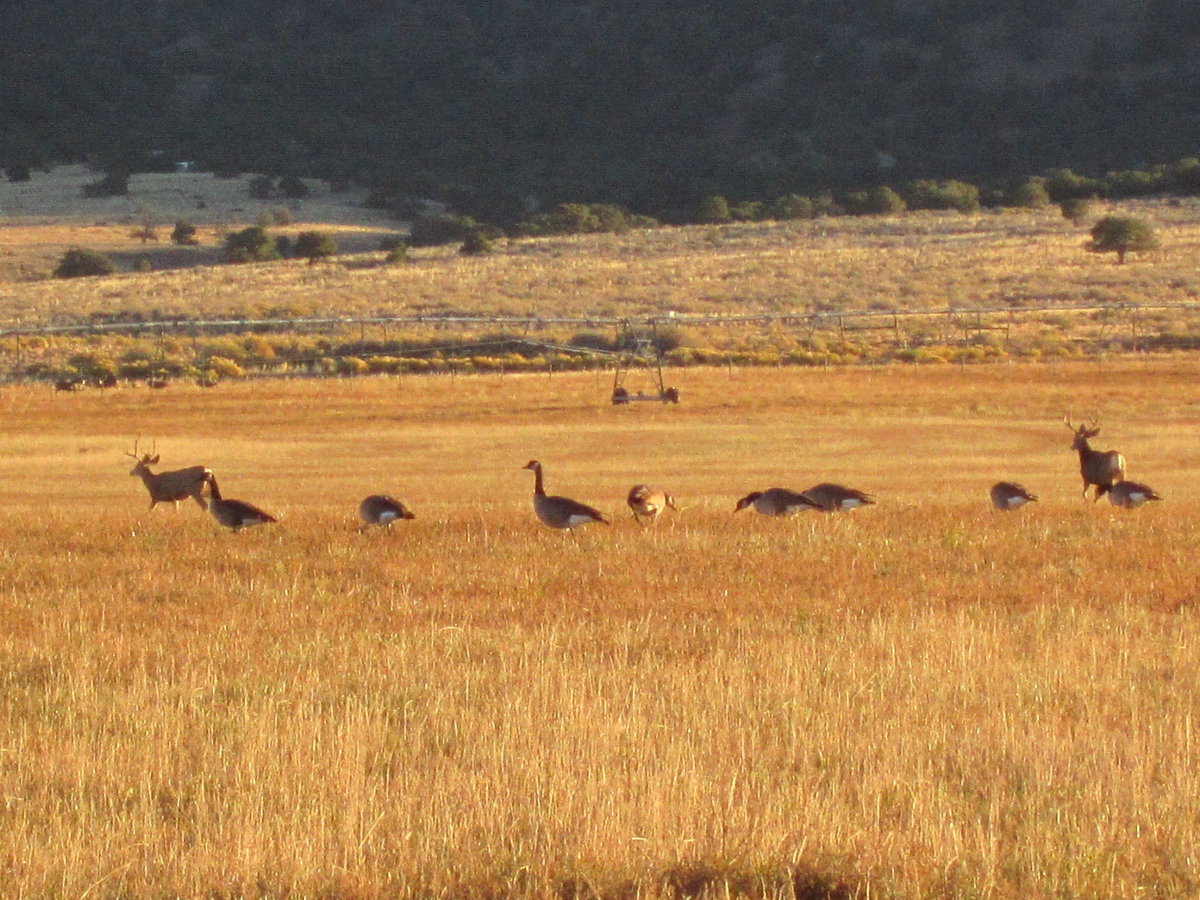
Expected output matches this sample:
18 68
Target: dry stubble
920 699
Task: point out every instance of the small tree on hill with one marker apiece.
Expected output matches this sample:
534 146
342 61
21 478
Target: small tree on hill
1121 235
184 234
476 243
314 245
115 183
1077 209
293 187
78 263
251 244
1029 194
713 210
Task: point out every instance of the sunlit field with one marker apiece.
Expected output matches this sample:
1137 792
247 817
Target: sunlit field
924 698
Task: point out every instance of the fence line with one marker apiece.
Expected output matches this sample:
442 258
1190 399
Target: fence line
836 318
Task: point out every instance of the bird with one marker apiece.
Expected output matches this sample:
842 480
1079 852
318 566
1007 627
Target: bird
1008 495
1131 494
380 509
834 497
559 512
777 502
646 501
234 514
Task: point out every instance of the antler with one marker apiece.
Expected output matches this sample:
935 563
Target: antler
1067 420
134 454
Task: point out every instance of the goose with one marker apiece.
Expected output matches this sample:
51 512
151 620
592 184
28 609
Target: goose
559 512
1131 494
834 497
1008 495
776 502
646 501
234 514
380 509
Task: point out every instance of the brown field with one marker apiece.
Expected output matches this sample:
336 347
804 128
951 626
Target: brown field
923 699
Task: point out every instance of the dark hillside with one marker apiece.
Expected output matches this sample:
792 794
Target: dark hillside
619 101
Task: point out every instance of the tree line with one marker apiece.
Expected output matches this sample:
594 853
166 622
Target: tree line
505 110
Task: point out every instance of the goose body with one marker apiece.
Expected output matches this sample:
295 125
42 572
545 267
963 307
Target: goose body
777 502
836 497
647 502
1131 494
559 512
1008 495
234 514
380 509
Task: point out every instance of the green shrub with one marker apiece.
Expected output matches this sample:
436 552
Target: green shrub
713 211
1029 194
1063 184
930 194
292 187
251 244
427 231
78 263
476 243
314 245
1077 209
113 184
184 234
261 187
792 206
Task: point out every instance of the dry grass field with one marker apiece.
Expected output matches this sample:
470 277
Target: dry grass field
921 699
916 260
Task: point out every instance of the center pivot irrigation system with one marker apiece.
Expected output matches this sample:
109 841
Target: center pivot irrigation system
642 351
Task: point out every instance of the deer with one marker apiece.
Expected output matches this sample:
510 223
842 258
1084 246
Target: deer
1099 468
170 487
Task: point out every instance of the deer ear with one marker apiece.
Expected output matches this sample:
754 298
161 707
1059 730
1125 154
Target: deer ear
155 460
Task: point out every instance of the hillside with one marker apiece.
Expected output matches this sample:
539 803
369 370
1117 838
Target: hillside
647 104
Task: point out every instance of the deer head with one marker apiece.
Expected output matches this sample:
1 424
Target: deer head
1083 433
142 463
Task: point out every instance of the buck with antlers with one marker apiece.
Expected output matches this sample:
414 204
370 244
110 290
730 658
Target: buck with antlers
1101 468
170 487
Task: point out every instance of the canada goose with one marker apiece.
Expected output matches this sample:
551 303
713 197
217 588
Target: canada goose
776 502
834 497
380 509
1008 495
1131 494
646 501
1099 468
234 514
559 512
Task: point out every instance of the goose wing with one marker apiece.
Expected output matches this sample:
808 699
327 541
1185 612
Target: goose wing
563 512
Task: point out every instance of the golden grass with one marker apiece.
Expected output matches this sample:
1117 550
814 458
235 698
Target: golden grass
921 699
